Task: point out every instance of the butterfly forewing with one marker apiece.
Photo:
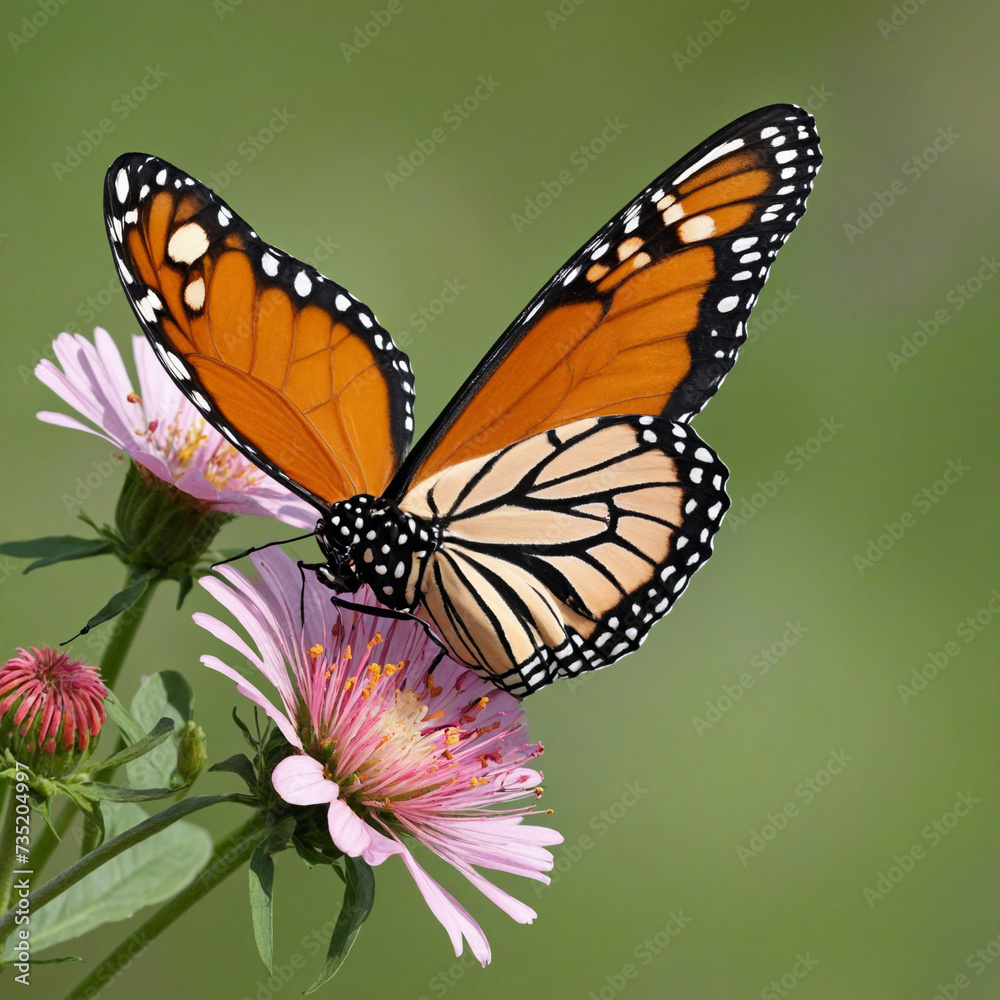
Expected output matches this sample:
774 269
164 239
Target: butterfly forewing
286 363
648 315
558 553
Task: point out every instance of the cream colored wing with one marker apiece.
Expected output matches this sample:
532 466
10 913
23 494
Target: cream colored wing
558 553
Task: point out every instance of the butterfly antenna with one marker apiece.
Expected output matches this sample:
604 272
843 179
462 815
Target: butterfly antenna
260 548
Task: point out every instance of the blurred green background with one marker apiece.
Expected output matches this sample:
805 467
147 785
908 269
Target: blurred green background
787 603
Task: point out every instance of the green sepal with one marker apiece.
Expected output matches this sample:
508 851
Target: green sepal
239 764
359 898
244 729
184 584
89 806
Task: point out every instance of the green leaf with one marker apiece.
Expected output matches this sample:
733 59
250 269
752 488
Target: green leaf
148 873
152 739
163 695
261 889
99 791
359 898
122 718
54 548
239 764
122 601
45 961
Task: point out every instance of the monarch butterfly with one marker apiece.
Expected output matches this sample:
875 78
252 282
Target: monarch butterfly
561 502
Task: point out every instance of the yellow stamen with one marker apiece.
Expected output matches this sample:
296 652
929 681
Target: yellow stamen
133 398
476 782
376 639
348 655
349 683
316 651
436 715
452 735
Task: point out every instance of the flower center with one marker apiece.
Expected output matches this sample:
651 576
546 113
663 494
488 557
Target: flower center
187 444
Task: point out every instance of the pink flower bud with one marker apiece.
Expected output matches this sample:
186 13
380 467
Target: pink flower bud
51 710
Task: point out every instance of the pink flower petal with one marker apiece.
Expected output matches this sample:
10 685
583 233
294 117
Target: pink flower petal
348 830
299 780
246 689
454 918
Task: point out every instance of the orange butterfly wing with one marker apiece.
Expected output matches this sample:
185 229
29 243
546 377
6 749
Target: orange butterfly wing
287 364
647 317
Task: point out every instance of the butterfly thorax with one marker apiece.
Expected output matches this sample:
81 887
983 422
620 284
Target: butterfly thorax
370 540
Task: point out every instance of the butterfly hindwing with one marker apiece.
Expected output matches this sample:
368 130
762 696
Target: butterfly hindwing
648 315
558 553
285 362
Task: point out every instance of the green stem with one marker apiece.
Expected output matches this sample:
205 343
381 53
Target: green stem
7 845
137 942
124 628
49 838
110 849
127 625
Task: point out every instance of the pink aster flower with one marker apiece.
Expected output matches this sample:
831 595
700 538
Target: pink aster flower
51 710
392 751
159 428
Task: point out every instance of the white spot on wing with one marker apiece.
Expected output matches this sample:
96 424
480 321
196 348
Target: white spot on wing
187 244
121 185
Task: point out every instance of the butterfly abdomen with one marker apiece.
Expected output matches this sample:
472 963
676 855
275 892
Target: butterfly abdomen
370 540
